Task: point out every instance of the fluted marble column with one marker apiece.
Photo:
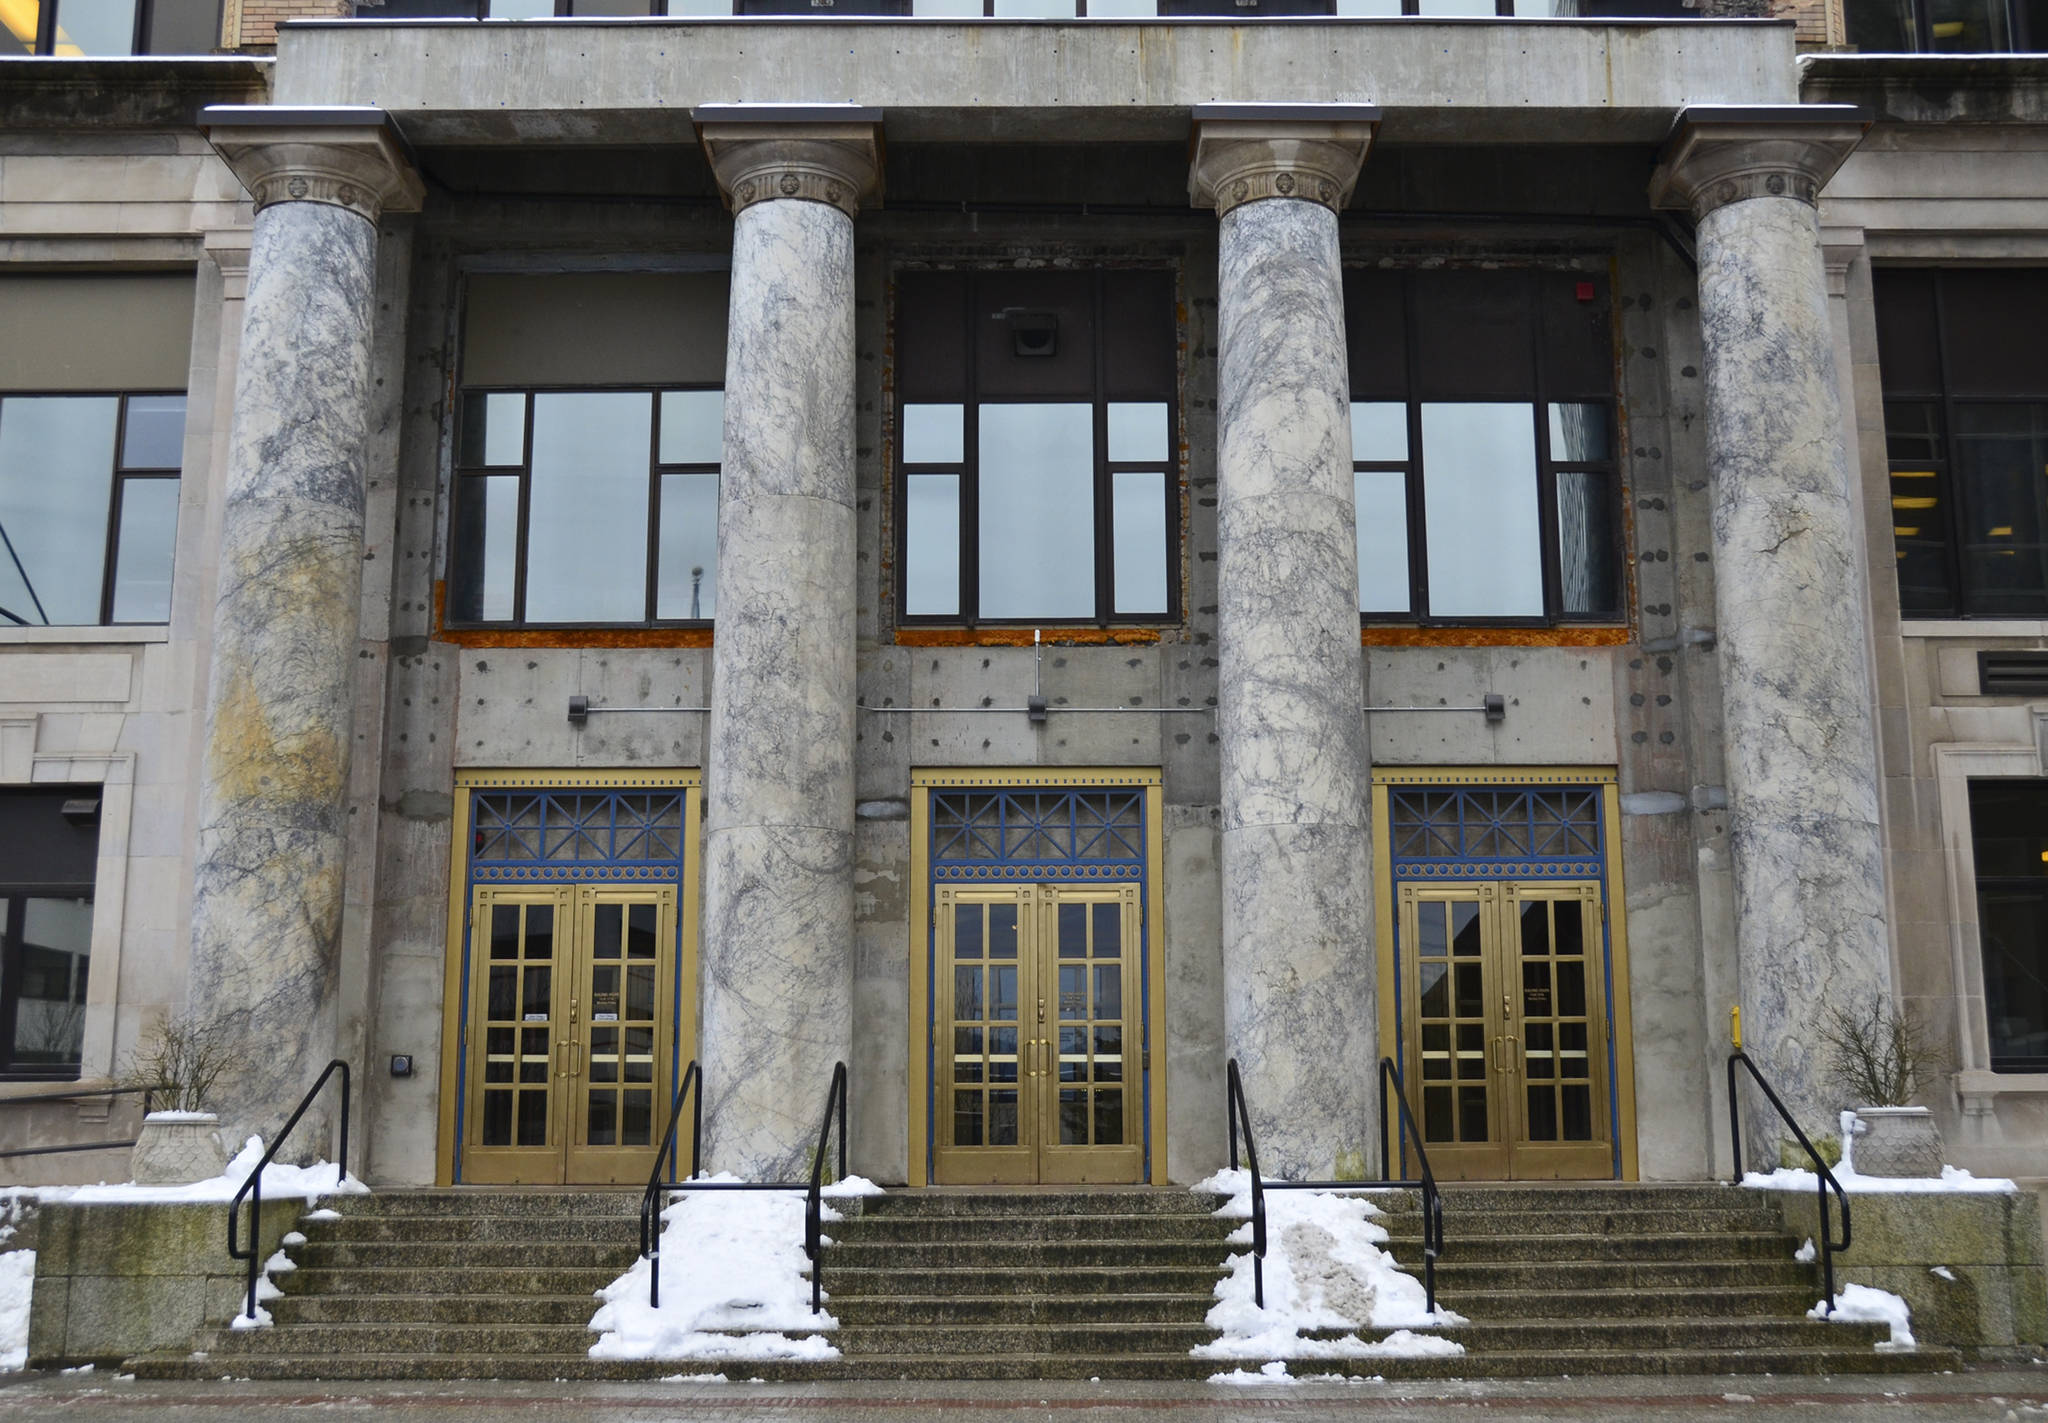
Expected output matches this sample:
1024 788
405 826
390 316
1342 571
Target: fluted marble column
1298 967
273 810
776 953
1789 591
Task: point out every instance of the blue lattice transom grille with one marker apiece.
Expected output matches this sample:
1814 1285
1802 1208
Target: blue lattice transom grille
1052 833
1543 831
527 835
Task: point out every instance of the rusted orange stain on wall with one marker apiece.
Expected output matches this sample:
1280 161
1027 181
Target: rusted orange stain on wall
1494 637
559 637
1021 637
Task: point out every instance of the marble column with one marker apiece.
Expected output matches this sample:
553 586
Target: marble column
273 806
1298 967
1790 592
776 951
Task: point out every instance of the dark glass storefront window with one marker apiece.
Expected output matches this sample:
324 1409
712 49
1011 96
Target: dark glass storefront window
1945 26
1038 471
2009 825
91 28
49 842
1483 448
1966 435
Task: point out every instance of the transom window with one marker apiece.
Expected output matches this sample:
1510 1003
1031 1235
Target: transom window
1482 433
587 506
2009 827
88 507
1966 436
1038 465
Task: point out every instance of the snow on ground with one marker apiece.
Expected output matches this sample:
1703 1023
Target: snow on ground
280 1182
1276 1372
1860 1304
1324 1271
731 1261
17 1282
1951 1179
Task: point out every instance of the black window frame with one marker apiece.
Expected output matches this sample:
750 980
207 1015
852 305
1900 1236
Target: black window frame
2011 887
462 476
1173 467
1548 469
118 480
1898 394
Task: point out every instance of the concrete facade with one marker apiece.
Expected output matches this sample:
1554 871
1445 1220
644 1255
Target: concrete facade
569 148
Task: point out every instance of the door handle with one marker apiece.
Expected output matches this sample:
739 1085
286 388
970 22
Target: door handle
1513 1052
561 1067
576 1047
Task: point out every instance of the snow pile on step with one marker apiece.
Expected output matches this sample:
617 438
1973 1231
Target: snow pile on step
280 1182
735 1283
1324 1271
1860 1304
1951 1179
17 1282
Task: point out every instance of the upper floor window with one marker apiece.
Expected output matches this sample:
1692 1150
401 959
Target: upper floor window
587 450
1946 26
2009 828
76 28
1482 441
1038 475
1966 437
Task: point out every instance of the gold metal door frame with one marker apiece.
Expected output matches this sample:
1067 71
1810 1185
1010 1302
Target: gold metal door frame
1505 1029
1038 1019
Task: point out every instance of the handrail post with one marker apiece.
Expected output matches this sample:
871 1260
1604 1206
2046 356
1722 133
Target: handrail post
1824 1178
253 1187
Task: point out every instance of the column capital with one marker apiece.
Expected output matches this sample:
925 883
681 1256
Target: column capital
820 153
1718 155
345 157
1309 152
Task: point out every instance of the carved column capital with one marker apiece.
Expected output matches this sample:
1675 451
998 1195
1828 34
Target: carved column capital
346 158
1719 156
820 153
1310 152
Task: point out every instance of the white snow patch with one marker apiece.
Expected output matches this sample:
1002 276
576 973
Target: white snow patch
1951 1179
734 1262
694 1378
280 1182
1275 1372
293 1237
1324 1271
1943 1271
17 1283
181 1117
321 1215
1860 1304
81 1369
1806 1254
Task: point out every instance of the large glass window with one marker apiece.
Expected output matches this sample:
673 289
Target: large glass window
1966 435
88 507
586 506
2009 825
1945 26
88 28
1482 447
1039 478
49 841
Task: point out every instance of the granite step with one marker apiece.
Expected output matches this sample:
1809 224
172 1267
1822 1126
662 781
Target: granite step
1719 1302
1122 1201
615 1255
844 1279
1505 1249
1459 1225
474 1200
1019 1228
491 1281
1655 1277
474 1229
854 1310
1102 1254
428 1308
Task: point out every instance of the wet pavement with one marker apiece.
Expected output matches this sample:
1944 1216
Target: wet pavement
2002 1394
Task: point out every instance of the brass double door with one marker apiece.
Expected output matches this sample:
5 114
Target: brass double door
1505 1029
1038 1027
569 1034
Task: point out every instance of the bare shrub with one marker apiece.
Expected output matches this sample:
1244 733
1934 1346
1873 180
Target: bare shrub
179 1060
1879 1055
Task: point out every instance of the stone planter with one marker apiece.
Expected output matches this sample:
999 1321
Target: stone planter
1897 1141
174 1148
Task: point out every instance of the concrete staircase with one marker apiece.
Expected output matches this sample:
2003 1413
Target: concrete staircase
1076 1284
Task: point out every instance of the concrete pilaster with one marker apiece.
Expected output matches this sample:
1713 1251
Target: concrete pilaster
273 808
776 952
1790 600
1298 967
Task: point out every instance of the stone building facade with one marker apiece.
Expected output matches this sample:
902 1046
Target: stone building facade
1033 557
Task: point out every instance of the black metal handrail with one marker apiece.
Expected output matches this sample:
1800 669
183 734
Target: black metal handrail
1432 1198
148 1095
1234 1108
654 1200
253 1187
814 1215
1826 1178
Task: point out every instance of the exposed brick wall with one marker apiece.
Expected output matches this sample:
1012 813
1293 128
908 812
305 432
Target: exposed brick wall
1817 25
260 18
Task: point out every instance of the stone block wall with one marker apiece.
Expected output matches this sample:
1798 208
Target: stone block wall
1990 1297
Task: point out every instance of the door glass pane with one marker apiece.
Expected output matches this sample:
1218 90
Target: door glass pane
92 27
1108 931
1109 1118
1535 916
1073 931
1465 936
931 578
692 421
586 558
607 922
1382 503
1037 532
1109 991
504 931
56 951
540 931
1073 1116
1002 1117
967 931
640 921
1138 526
143 550
687 586
56 489
1480 509
967 1119
1002 931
